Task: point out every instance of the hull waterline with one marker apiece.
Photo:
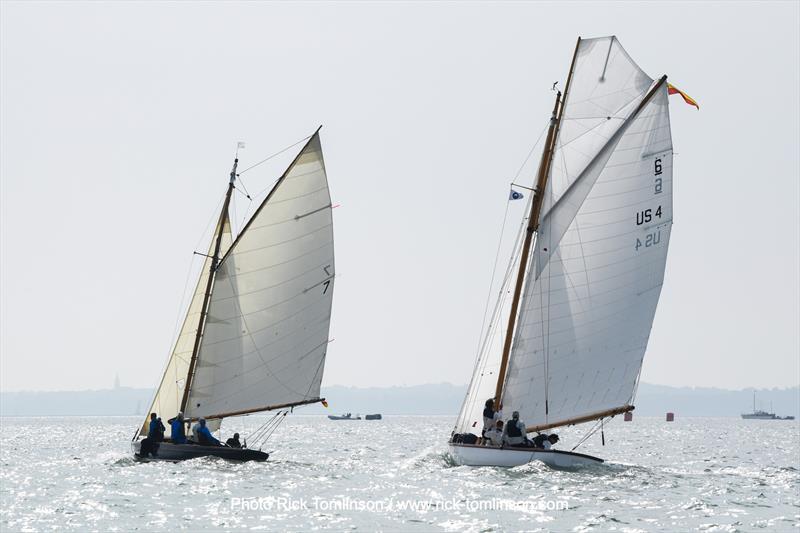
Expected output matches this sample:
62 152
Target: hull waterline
473 455
168 451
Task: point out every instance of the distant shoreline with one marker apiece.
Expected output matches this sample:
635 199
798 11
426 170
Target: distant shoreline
431 400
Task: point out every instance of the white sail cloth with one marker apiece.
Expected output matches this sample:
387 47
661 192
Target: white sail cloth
266 333
598 264
167 401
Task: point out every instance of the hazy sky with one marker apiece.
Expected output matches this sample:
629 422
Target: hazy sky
119 122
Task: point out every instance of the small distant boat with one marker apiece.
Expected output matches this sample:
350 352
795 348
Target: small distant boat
376 416
347 416
759 414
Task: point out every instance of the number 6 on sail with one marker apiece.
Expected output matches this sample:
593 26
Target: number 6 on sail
567 346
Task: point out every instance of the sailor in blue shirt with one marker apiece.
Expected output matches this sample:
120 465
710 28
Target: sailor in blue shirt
177 431
203 434
156 432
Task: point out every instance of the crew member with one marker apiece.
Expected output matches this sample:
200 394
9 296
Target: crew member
515 431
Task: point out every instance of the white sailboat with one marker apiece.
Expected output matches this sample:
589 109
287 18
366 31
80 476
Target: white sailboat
567 347
255 335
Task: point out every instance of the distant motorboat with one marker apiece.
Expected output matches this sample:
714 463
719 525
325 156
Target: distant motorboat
347 416
759 414
376 416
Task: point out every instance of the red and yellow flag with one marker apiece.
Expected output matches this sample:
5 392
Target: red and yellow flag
671 89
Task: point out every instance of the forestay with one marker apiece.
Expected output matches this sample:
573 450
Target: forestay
598 264
167 401
266 333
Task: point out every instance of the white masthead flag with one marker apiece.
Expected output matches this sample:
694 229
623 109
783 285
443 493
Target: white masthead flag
514 195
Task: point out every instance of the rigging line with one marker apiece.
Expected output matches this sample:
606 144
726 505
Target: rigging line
494 270
243 193
591 432
483 341
266 426
214 216
241 182
275 155
527 157
275 426
256 435
246 193
258 429
268 429
492 329
232 211
547 338
183 306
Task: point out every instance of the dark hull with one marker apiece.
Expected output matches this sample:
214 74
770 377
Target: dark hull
168 451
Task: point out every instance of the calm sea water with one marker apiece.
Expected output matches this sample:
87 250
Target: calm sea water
695 474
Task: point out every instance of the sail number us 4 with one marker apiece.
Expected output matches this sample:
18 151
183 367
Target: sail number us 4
649 215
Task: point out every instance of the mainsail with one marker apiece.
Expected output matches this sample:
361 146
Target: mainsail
597 266
265 333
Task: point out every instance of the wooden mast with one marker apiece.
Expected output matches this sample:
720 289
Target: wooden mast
533 225
223 217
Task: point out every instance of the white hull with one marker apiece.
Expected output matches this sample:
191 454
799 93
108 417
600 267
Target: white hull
473 455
